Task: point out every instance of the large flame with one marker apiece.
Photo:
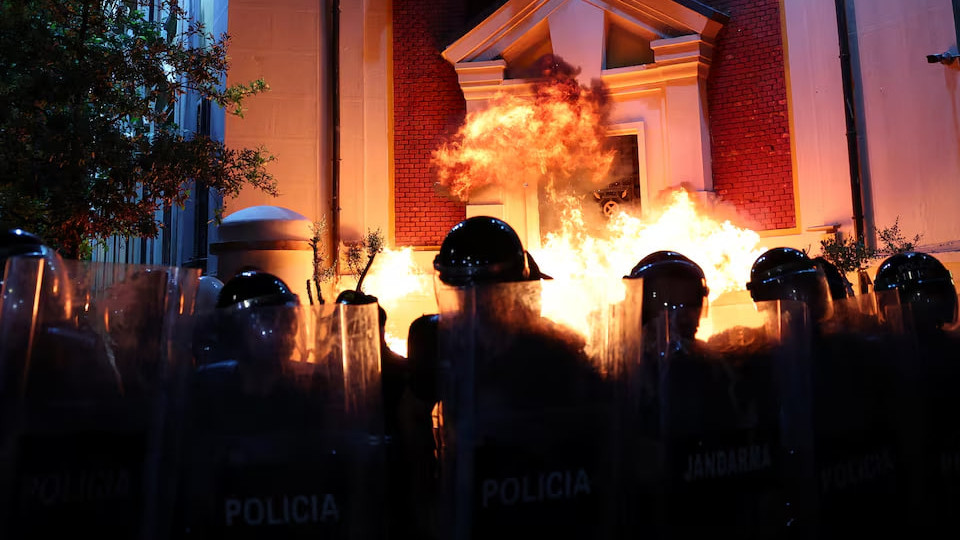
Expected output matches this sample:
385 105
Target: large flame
555 140
724 252
595 263
555 137
403 289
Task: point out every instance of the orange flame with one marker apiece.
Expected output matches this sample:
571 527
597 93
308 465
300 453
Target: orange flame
555 137
587 268
724 252
555 140
403 289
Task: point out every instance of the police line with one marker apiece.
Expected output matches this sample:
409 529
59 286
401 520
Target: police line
135 406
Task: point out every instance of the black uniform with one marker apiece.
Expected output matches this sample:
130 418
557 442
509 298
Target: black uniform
529 423
915 289
278 448
845 452
84 413
712 409
525 431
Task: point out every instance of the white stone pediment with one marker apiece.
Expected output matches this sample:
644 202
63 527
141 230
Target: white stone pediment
652 56
522 27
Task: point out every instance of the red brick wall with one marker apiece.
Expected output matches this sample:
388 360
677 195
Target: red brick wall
747 100
428 106
748 114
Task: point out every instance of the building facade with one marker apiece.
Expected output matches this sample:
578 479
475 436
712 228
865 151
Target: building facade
363 92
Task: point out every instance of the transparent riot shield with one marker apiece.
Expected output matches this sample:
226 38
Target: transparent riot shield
89 366
929 366
530 443
641 440
282 440
721 427
860 409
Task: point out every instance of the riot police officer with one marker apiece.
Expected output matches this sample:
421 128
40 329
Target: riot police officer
57 298
477 251
917 289
785 273
258 316
397 403
91 396
259 460
847 388
714 401
17 242
674 290
840 287
923 284
539 455
674 284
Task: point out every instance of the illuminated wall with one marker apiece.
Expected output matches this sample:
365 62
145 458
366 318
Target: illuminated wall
281 42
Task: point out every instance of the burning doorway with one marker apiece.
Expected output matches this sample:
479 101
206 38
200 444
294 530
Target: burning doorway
663 89
624 186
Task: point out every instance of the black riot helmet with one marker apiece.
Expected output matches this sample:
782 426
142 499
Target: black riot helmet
785 273
483 249
840 288
672 282
259 317
355 298
254 288
18 242
923 283
56 304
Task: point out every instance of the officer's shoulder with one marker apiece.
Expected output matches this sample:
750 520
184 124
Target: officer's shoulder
422 335
425 323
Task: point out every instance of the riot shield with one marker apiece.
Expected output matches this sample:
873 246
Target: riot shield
283 441
531 415
858 406
89 365
721 421
929 366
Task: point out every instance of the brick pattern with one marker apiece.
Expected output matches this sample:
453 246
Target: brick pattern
748 114
746 96
428 108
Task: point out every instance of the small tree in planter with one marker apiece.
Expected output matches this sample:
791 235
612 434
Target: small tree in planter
359 257
321 272
894 242
849 255
371 244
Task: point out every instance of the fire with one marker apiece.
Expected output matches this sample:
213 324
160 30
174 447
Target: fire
594 263
555 137
555 140
724 252
402 288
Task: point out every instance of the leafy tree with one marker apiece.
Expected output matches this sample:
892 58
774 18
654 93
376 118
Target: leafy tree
88 143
